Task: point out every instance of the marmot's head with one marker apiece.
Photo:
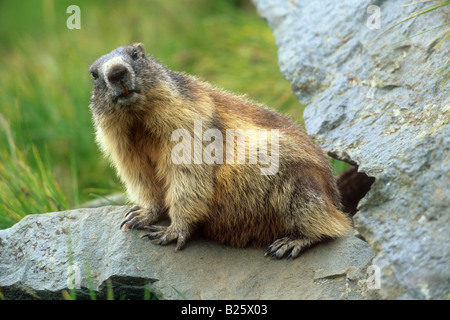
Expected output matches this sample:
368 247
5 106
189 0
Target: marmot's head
123 78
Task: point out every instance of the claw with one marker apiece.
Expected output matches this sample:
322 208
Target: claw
163 235
147 235
125 226
180 244
284 245
134 208
125 223
152 235
137 218
267 251
156 228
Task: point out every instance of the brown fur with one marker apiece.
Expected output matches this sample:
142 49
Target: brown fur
230 203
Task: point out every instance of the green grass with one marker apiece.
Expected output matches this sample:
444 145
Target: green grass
49 157
442 36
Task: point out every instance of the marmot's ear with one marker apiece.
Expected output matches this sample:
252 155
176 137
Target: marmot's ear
139 46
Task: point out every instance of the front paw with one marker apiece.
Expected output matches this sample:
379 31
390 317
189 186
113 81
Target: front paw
163 235
138 218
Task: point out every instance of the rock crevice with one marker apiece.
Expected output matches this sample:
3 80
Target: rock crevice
376 101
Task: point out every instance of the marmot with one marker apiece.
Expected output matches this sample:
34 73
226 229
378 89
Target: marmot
166 134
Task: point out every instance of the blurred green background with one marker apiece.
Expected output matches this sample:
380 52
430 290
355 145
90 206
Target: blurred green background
48 157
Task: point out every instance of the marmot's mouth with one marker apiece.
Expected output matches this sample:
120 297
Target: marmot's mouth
125 91
126 94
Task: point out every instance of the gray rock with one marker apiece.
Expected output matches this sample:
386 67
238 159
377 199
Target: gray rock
38 254
381 105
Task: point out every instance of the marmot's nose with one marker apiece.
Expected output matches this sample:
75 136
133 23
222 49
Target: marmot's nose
117 73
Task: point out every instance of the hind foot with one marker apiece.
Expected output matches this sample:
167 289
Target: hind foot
285 245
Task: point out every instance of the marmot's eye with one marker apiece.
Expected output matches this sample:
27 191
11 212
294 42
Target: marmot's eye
134 54
94 74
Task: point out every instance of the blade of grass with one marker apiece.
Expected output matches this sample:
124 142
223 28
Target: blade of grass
99 196
75 186
24 190
89 280
420 33
413 15
72 295
181 294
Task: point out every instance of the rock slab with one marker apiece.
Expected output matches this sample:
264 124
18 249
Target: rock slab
43 255
378 101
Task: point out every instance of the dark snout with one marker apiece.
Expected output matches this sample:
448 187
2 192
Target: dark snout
118 74
120 79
